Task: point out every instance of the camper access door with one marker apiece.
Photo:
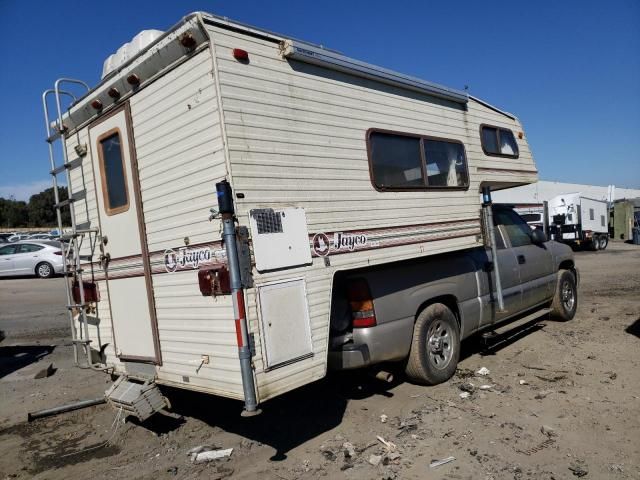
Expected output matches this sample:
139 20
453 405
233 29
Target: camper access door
125 257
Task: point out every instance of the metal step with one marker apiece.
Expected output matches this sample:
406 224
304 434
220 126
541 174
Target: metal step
76 305
509 325
54 136
64 203
137 398
81 341
76 162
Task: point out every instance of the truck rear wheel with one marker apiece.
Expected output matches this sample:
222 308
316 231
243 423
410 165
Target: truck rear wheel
565 301
435 348
604 241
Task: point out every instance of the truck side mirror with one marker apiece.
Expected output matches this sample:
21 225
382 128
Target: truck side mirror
538 237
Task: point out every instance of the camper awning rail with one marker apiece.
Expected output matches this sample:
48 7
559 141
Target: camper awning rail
304 52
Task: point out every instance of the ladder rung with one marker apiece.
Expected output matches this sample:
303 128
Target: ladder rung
78 233
76 162
85 226
85 342
54 136
79 195
64 203
76 305
59 169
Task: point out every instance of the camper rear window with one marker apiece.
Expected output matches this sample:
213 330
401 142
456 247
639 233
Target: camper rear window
412 162
498 142
114 177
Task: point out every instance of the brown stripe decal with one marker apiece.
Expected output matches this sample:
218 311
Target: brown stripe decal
321 244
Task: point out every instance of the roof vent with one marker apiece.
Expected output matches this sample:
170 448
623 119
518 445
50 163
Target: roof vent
129 50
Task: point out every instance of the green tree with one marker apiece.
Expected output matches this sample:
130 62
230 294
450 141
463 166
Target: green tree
41 211
13 213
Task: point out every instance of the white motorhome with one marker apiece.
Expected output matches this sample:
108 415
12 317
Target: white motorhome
580 220
314 163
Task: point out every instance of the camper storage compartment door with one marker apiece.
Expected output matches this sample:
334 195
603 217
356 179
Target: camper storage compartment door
280 238
286 329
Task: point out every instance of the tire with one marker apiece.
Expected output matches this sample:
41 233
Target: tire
565 300
435 348
604 241
594 245
45 270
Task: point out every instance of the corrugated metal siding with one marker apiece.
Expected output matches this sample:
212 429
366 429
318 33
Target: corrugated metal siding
296 136
180 155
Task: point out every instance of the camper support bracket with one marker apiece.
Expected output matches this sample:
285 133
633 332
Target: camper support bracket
225 205
486 205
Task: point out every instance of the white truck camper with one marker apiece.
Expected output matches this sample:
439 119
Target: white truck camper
579 220
221 176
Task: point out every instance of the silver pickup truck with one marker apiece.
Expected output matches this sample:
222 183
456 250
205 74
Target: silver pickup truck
419 311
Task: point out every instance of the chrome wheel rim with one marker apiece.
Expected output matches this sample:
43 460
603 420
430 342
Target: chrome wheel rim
44 270
439 344
568 295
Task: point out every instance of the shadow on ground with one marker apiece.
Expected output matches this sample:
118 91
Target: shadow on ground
15 357
298 416
286 421
634 328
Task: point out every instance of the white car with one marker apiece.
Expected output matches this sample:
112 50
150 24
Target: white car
41 258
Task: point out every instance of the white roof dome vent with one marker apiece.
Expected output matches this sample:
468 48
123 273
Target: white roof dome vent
129 50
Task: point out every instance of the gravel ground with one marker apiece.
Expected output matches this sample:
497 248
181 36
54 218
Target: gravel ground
561 401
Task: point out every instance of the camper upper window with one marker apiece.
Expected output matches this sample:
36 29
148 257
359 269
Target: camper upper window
498 142
114 176
404 161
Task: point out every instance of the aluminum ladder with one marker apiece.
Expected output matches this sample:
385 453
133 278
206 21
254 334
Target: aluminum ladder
56 130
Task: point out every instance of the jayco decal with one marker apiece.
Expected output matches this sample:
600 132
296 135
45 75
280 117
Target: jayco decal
322 245
349 241
185 258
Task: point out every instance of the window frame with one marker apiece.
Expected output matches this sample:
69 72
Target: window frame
103 178
40 247
503 155
505 234
4 245
423 159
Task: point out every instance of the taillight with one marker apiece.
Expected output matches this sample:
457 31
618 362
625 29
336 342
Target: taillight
91 292
362 313
214 281
59 252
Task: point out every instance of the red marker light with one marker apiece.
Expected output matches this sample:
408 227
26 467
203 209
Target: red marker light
187 40
97 104
240 55
114 93
133 79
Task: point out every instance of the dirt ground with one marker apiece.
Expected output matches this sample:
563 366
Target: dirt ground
563 401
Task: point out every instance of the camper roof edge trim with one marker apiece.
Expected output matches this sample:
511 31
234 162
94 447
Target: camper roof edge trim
492 107
318 56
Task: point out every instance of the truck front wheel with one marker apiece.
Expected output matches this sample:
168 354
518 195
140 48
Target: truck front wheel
565 301
435 348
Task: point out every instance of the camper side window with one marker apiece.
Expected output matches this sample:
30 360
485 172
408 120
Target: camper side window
114 176
402 161
498 142
396 161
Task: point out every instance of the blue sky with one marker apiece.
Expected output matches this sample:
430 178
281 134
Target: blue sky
570 70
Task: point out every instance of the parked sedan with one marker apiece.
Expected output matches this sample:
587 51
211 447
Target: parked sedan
41 258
